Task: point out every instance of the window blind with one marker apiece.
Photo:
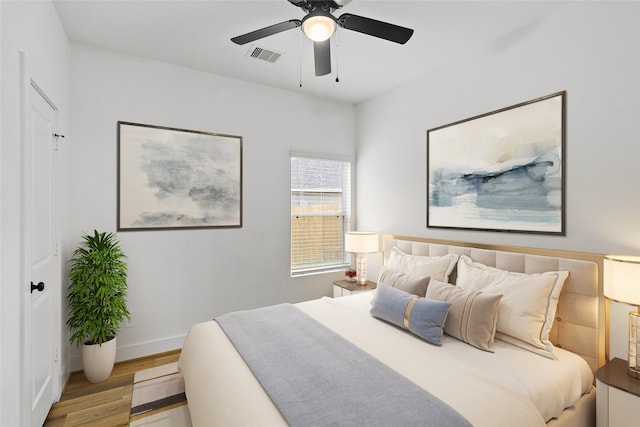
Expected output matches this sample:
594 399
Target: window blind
320 213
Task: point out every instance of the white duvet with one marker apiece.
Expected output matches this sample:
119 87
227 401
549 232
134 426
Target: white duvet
509 387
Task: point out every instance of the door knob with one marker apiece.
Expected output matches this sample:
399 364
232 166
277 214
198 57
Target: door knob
39 287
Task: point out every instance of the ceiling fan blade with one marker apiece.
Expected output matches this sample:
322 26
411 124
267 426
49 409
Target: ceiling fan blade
267 31
322 57
372 27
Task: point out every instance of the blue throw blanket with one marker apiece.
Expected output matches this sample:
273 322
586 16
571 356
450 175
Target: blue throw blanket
317 378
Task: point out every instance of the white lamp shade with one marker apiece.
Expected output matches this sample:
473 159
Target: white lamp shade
318 27
622 278
361 242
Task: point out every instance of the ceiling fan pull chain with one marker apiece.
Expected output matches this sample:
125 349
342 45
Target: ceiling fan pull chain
300 57
337 58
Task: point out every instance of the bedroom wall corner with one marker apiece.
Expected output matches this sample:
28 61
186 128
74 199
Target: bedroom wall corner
181 277
589 49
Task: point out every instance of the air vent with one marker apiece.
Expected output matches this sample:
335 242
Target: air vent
264 54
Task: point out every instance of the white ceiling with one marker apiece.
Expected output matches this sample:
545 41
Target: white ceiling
196 34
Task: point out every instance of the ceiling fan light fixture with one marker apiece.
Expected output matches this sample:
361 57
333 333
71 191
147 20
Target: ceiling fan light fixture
318 26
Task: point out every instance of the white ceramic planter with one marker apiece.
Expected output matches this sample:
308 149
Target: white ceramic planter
98 360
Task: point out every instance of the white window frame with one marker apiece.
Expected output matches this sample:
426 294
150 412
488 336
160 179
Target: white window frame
346 212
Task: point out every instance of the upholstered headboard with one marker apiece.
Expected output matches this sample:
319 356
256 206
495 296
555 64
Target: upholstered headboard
580 317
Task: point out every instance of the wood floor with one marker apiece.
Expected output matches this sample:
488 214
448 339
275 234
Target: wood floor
105 404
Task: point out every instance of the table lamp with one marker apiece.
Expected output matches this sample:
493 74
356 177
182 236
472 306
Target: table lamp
622 284
361 243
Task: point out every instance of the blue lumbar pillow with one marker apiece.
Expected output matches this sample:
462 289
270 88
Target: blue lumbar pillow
422 316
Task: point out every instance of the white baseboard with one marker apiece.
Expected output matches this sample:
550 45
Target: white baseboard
135 351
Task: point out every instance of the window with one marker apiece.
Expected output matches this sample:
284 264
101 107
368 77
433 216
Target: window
320 213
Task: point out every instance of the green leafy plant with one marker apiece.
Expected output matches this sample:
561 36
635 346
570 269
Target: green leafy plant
98 289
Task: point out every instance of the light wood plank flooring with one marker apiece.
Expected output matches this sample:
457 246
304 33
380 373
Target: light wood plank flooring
105 404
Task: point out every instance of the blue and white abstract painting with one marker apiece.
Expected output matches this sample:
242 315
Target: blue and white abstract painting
175 178
500 171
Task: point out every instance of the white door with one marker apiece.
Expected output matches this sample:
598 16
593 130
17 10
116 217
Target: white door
42 265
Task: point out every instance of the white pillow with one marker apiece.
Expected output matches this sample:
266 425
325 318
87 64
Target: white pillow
528 306
436 267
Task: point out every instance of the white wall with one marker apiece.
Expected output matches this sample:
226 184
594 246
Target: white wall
589 49
178 278
34 28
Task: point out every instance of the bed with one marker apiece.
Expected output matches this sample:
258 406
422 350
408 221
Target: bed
511 382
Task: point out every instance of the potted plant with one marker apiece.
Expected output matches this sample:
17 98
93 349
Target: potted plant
97 301
351 274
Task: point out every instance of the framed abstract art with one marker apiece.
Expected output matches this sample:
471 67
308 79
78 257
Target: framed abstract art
172 178
500 171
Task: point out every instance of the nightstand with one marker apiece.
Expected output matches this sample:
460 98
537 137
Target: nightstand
618 396
342 288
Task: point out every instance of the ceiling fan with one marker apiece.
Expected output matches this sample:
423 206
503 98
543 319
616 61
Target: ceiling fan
319 25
